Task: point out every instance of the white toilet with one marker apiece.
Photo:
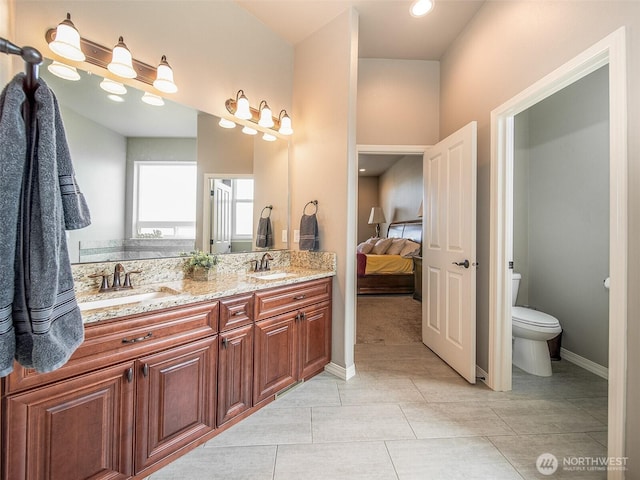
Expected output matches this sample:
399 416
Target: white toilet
531 329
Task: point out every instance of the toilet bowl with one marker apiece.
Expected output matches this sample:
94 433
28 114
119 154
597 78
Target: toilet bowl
530 330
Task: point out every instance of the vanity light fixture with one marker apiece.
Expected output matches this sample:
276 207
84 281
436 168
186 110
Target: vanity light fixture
121 61
268 137
66 41
225 123
151 99
419 8
64 71
249 131
262 116
164 78
118 60
266 120
111 86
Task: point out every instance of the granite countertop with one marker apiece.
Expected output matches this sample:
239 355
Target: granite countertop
150 297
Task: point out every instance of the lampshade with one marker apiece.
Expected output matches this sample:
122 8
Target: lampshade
249 131
224 123
66 42
66 72
419 8
121 61
420 210
164 79
243 111
285 124
151 99
268 137
376 216
266 120
110 86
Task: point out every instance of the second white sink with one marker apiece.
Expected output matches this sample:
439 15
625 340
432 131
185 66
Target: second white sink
272 276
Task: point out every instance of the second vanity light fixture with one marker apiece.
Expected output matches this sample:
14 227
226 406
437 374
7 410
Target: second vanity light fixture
65 41
241 109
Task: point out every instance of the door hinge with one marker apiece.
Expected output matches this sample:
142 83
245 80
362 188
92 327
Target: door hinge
510 265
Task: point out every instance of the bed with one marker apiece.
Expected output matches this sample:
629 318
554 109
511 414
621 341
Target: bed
378 275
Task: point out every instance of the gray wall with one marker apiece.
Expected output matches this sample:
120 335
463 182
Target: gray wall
566 234
401 190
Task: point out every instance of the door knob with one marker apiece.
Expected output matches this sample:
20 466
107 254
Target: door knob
464 264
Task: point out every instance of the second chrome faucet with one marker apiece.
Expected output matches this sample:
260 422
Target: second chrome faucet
117 283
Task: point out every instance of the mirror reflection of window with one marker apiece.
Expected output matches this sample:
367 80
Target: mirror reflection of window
243 208
165 199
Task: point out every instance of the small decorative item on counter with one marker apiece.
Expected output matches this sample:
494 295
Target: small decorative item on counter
200 265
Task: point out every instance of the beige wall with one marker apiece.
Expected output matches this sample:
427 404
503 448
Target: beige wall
401 190
368 196
398 102
324 159
6 31
501 53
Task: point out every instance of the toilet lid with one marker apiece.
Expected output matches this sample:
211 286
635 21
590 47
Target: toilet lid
534 317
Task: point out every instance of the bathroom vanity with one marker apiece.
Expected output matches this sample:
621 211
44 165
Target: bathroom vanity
147 386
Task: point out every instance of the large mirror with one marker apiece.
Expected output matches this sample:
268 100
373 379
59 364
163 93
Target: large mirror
147 172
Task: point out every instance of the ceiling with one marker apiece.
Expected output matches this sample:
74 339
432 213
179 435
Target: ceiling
386 30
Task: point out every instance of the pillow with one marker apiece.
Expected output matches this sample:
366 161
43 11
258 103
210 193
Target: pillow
381 246
410 249
372 240
396 246
364 247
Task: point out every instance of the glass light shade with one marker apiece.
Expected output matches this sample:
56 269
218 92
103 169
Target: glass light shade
164 77
268 137
242 108
285 125
64 71
66 42
420 8
224 123
151 99
110 86
115 98
266 120
249 131
121 62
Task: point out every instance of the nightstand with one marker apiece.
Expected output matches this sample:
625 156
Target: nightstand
417 278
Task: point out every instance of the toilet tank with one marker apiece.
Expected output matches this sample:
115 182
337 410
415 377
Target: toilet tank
515 285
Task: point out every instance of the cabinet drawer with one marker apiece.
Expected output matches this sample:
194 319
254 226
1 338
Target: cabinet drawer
293 297
122 339
236 312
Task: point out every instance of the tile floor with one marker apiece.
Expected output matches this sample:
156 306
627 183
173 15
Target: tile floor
407 415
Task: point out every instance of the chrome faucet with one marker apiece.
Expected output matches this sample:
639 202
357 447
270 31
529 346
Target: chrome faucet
264 262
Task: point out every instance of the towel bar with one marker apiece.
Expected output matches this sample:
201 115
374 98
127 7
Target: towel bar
312 202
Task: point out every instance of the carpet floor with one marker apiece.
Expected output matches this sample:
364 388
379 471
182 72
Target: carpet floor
388 320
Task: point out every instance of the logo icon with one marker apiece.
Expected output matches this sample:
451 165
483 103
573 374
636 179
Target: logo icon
547 464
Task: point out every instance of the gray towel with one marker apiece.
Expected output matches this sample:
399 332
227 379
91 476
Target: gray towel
40 323
264 237
309 239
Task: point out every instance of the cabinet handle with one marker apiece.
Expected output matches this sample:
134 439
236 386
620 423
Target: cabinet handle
225 342
145 370
303 316
139 339
241 312
129 374
300 297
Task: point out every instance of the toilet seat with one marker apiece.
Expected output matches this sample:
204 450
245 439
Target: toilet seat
533 318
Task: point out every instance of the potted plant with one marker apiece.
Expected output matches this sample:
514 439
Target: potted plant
200 265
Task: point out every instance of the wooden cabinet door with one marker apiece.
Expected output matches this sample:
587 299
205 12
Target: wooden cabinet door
235 373
175 399
275 356
72 430
314 334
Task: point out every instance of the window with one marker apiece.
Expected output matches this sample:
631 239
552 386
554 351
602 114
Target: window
165 199
242 208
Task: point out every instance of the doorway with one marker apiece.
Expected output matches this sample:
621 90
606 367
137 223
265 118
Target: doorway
609 51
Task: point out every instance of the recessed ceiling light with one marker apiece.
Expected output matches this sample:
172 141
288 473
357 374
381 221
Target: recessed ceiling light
420 8
362 170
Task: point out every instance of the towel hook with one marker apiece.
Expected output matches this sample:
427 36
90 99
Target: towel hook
312 202
268 207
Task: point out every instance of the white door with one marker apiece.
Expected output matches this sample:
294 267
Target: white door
449 251
220 217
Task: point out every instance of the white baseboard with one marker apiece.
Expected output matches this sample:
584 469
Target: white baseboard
585 363
340 372
482 375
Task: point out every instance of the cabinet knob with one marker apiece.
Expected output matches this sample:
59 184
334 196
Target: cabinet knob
129 374
145 370
225 342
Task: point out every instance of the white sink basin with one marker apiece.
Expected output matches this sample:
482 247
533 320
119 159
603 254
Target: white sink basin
135 298
272 276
